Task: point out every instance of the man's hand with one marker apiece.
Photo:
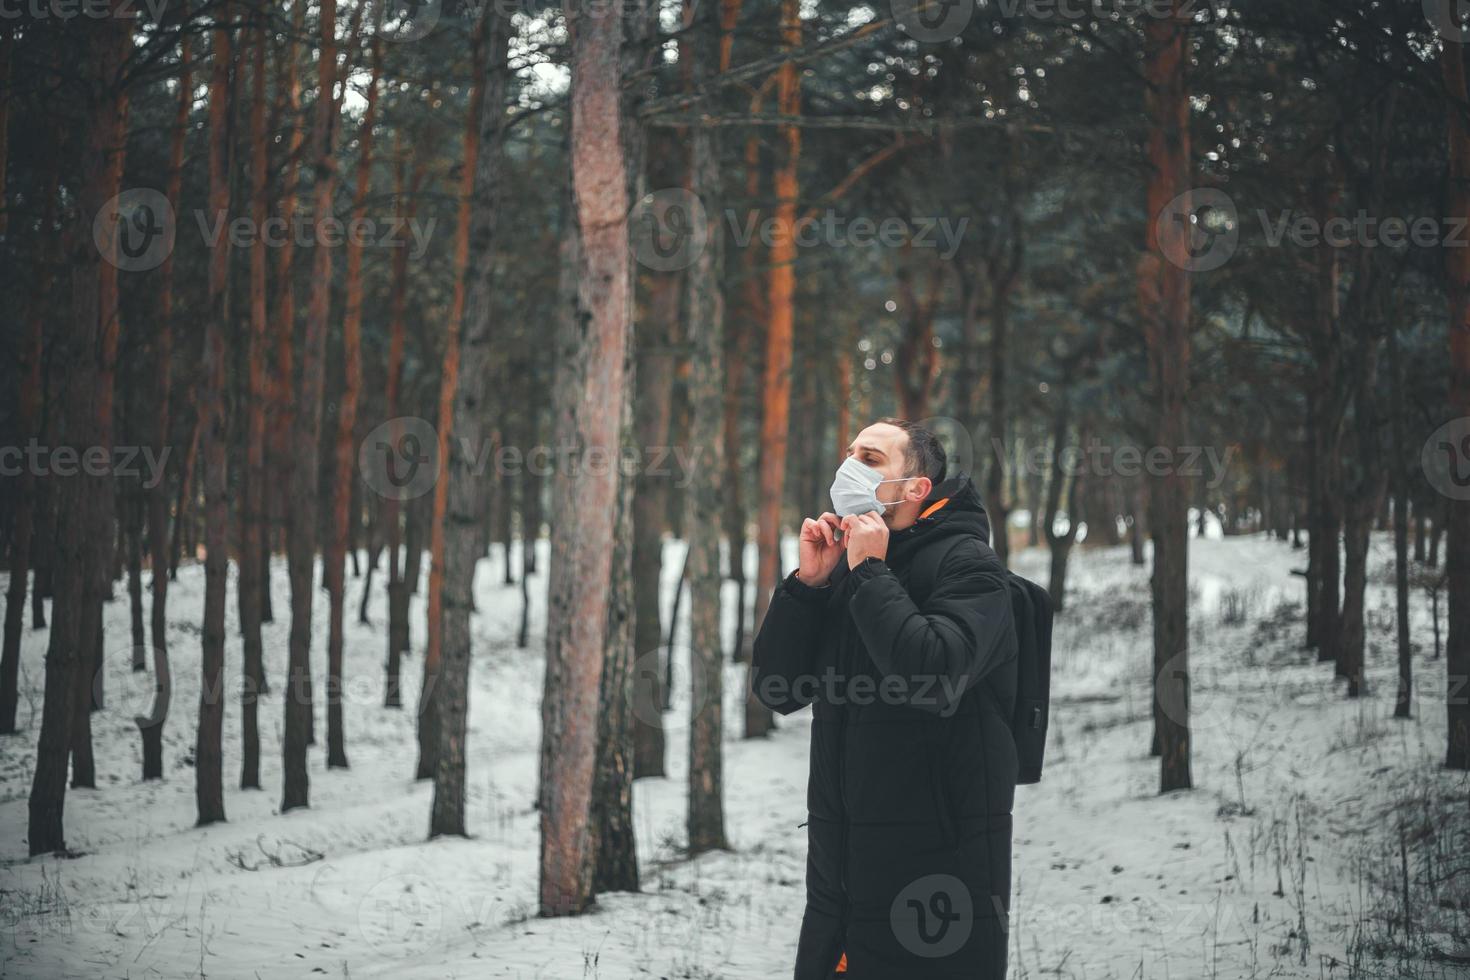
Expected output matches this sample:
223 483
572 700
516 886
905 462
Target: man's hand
866 536
819 549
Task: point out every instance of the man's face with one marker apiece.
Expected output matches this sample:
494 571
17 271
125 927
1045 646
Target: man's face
882 446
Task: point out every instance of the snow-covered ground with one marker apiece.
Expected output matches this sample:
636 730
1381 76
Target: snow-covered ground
1282 862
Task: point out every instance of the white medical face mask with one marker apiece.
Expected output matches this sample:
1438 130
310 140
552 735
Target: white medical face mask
855 489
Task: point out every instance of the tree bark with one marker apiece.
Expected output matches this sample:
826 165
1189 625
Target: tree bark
655 379
481 188
582 558
430 726
1060 543
775 423
1164 307
104 42
28 425
208 765
150 726
1403 699
343 483
706 817
306 435
1457 647
252 583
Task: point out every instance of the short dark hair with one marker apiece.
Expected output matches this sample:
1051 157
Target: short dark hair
924 455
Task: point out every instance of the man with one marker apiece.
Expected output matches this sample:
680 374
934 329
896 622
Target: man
897 630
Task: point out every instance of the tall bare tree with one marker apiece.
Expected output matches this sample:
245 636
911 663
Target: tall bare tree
208 765
1164 307
306 431
253 517
1457 645
103 44
343 484
477 353
582 559
781 319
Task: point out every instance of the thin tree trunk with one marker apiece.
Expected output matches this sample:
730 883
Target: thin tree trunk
1403 700
655 387
1164 306
254 512
79 507
306 436
398 636
150 726
430 727
1457 648
28 425
1363 498
208 765
775 423
1060 543
343 484
474 252
583 539
706 817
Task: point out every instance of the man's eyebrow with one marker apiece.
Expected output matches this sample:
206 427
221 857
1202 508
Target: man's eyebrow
862 448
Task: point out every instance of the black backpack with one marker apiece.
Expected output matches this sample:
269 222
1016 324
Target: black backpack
1032 612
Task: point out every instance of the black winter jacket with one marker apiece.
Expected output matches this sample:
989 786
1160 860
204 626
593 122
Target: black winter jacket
907 664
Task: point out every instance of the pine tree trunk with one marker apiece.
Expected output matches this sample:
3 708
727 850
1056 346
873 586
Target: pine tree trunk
995 500
1457 648
280 416
343 483
398 639
1363 496
1164 307
583 539
1403 699
706 816
253 577
208 764
655 395
79 504
150 726
430 726
775 423
28 425
474 251
306 436
1059 543
613 840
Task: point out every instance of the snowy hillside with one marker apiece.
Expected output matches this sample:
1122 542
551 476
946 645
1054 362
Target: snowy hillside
1285 861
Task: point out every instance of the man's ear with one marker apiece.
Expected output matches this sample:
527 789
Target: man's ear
921 489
